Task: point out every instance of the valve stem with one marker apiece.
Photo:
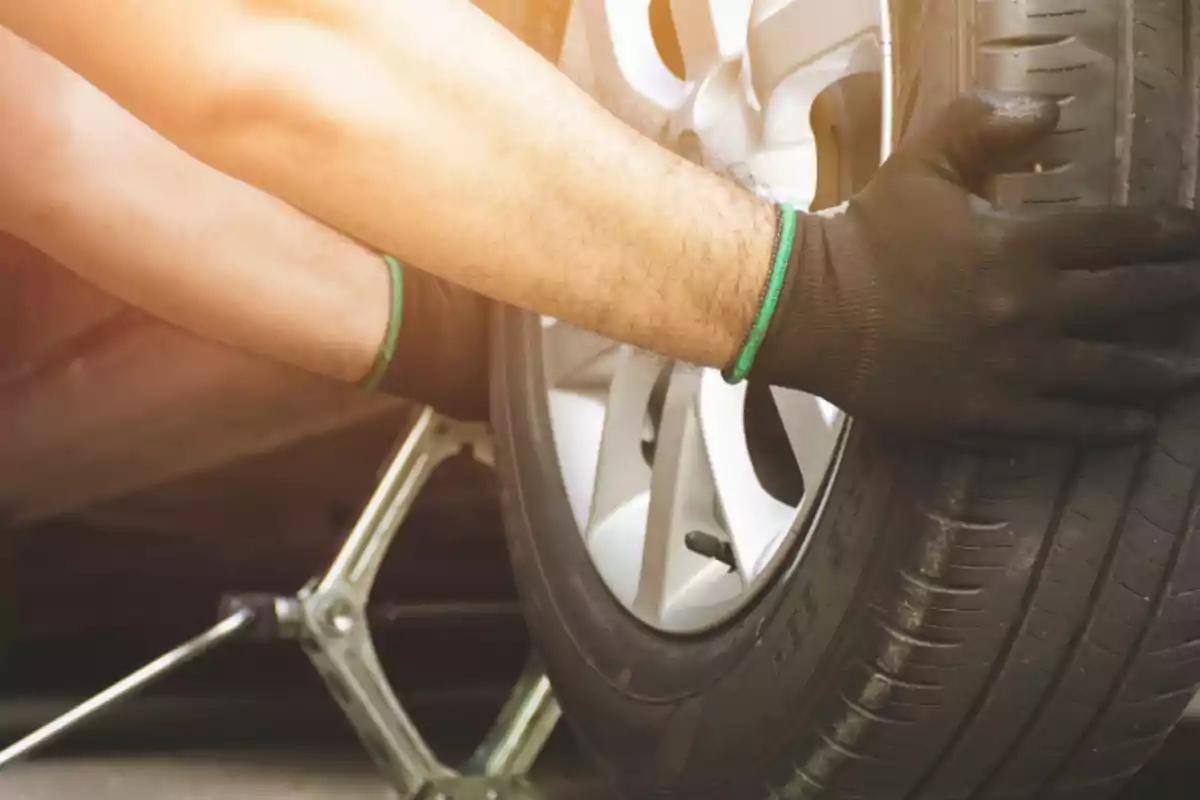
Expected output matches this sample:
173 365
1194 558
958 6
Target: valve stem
709 546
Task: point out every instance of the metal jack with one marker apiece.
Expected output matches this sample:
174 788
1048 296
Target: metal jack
328 619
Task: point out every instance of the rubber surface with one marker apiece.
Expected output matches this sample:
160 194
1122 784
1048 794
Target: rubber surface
1018 625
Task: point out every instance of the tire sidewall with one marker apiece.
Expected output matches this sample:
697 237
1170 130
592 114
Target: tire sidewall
749 681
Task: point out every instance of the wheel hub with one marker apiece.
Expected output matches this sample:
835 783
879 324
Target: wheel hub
690 493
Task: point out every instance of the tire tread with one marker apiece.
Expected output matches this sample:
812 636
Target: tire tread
1084 626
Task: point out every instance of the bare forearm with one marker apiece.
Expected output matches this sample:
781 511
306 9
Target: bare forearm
140 218
429 132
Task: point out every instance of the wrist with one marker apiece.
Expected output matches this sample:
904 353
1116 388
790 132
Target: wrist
441 352
386 353
821 327
742 363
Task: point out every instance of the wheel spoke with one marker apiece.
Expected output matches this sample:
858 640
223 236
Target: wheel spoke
578 422
681 501
783 38
813 427
614 513
753 518
622 473
610 52
792 62
577 359
678 587
710 32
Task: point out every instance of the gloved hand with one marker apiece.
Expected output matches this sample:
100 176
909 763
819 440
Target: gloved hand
925 310
441 356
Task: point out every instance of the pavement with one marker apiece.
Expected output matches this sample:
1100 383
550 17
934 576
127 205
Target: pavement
213 748
298 748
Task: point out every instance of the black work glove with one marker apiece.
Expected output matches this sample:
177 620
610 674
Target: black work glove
926 310
441 354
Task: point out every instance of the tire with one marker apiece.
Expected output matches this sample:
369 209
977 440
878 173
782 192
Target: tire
1017 625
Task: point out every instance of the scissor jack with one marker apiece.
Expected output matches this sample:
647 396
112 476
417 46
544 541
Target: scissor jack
328 620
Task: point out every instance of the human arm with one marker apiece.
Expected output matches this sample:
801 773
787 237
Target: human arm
91 186
915 309
427 131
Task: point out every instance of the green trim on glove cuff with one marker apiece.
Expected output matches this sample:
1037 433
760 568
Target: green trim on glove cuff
387 349
737 371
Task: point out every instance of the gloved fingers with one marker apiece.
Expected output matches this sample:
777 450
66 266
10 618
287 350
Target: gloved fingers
1105 236
971 135
1061 421
1099 371
1088 301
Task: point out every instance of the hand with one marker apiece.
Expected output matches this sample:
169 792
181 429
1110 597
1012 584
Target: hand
924 309
442 351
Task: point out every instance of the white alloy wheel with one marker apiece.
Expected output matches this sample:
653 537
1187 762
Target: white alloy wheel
689 491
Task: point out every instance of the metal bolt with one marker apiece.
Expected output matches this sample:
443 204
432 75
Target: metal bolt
289 617
339 618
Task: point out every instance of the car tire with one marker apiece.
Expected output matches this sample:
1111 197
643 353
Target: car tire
1019 624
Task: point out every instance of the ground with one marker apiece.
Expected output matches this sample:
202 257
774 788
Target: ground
297 748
